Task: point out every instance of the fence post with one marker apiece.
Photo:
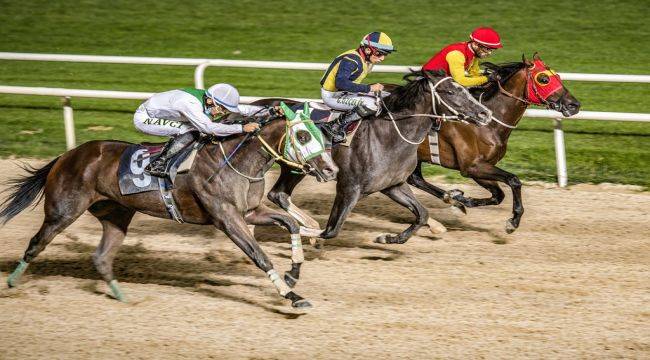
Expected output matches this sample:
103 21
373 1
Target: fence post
68 123
560 155
198 75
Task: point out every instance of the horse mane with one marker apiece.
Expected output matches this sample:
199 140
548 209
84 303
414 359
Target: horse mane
406 96
505 71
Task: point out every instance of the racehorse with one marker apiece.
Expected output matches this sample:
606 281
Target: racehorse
476 151
228 198
382 153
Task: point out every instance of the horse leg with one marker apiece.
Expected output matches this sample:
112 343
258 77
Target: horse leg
346 198
491 186
115 220
417 179
487 172
266 216
403 195
228 218
280 195
59 214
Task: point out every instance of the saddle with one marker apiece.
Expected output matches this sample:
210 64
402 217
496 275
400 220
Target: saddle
133 179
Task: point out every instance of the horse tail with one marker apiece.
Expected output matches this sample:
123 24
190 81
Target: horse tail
24 190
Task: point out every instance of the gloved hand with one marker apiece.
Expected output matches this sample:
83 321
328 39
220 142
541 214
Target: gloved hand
276 112
250 127
493 76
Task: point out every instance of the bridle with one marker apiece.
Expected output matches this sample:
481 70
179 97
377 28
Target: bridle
435 98
300 165
525 101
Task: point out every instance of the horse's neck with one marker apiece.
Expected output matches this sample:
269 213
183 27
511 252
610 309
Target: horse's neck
413 128
250 159
506 108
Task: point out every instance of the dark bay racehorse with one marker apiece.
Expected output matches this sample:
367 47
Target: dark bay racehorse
383 153
85 178
476 151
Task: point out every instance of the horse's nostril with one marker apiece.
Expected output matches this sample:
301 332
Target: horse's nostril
482 115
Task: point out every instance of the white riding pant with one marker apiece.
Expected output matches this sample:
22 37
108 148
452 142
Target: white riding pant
344 101
159 127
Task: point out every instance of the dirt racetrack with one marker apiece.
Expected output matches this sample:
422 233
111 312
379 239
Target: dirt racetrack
573 282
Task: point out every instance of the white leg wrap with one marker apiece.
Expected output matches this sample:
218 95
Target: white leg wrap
280 285
297 255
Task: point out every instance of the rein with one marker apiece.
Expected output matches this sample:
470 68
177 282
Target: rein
435 97
513 96
305 168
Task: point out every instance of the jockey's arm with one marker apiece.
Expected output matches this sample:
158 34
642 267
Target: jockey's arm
193 111
343 82
255 111
456 61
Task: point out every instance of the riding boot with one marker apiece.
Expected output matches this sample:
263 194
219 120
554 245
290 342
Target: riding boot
158 167
338 127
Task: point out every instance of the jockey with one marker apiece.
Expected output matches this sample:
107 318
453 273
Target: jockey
456 59
341 84
184 113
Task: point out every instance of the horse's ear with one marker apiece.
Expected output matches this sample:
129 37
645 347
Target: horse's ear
536 56
305 115
288 113
526 61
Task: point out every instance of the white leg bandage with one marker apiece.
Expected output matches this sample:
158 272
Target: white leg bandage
280 285
297 255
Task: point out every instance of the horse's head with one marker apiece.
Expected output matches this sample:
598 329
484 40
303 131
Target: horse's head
451 98
304 145
544 87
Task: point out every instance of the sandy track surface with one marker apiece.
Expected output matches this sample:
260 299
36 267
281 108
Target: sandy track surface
572 282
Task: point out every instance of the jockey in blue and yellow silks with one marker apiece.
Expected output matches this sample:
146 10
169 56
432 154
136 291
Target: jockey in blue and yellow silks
341 84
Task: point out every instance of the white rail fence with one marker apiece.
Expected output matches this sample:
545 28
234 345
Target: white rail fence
202 64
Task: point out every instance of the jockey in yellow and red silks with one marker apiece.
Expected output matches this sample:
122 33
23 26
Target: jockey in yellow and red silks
460 60
341 84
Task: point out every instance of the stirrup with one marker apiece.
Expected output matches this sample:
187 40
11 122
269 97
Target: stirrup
158 171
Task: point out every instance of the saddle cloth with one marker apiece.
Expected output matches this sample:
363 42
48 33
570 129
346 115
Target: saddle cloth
131 176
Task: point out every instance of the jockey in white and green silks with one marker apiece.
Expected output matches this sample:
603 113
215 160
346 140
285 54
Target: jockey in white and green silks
341 84
184 113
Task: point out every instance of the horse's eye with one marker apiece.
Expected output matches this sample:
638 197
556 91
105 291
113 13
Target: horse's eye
303 136
543 79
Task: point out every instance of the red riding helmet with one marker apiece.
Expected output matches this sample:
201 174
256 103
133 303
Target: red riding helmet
487 37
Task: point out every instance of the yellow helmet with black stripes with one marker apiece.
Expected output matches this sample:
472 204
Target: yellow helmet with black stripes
378 41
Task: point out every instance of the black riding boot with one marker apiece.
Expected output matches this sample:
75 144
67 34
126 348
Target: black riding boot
338 127
175 144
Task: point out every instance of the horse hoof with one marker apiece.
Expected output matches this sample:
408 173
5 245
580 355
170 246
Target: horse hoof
435 227
290 280
452 195
459 209
386 239
301 304
117 292
510 226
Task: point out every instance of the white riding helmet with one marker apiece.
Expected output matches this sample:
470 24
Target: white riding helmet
225 95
